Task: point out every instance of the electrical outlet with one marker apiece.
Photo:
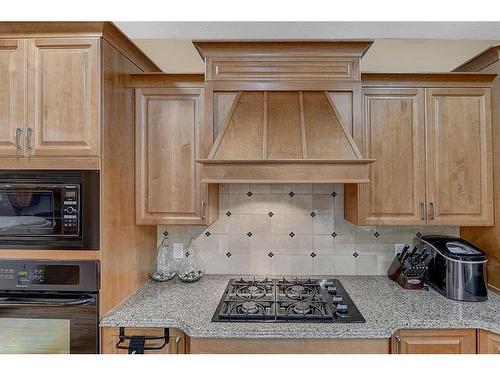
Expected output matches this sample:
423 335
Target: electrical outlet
398 247
178 250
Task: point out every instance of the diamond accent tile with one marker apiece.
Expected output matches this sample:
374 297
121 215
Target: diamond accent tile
376 234
228 254
334 194
270 213
355 254
313 214
228 213
249 234
419 234
207 233
270 255
291 194
313 254
292 234
165 234
186 254
334 234
249 193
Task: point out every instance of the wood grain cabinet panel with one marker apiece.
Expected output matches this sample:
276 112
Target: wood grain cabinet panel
459 157
287 346
12 93
434 341
489 343
394 124
168 126
110 336
63 100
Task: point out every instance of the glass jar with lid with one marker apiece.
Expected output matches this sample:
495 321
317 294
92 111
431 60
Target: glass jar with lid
164 266
192 267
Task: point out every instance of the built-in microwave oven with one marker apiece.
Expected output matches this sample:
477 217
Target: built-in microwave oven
49 210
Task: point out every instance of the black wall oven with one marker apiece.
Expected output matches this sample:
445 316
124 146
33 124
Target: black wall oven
49 307
49 209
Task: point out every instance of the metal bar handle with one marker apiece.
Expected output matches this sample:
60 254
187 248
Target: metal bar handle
84 300
432 207
398 344
422 211
29 131
177 341
18 136
203 206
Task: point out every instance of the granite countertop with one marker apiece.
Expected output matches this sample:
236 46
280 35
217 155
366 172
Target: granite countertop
384 304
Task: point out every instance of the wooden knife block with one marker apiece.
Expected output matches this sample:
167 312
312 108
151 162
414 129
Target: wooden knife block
395 273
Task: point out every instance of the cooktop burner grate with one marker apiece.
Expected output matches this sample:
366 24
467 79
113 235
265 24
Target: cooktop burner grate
282 300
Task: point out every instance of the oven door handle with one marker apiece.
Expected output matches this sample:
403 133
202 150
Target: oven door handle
49 302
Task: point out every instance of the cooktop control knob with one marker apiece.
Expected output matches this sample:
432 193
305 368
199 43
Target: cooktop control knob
342 309
332 289
337 299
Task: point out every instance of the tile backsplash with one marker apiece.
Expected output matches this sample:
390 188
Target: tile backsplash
292 229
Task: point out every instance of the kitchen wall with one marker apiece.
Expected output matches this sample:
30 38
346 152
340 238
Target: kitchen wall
285 229
385 55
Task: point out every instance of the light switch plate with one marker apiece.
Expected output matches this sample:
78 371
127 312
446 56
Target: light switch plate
178 250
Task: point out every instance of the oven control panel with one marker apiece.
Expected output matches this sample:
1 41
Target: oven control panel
49 275
71 209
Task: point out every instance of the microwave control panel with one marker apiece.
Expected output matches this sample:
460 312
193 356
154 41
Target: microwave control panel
71 209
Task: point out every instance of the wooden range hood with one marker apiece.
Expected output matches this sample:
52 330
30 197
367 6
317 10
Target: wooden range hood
284 112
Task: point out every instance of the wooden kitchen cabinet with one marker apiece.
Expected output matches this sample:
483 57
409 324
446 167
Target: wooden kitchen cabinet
459 156
110 336
488 343
434 341
12 89
287 346
395 129
50 101
169 138
433 152
63 97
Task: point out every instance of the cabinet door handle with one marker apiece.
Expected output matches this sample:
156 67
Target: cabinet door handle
29 131
203 206
432 210
177 341
18 135
398 344
422 210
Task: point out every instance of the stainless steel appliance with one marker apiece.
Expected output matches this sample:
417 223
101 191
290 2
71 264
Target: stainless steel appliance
282 300
49 209
456 268
49 306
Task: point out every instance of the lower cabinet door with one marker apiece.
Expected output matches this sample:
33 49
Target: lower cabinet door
434 341
288 346
489 343
112 343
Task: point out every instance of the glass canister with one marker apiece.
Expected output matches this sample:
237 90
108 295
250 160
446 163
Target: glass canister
164 267
192 267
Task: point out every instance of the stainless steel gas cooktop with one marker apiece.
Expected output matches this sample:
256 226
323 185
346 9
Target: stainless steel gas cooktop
282 300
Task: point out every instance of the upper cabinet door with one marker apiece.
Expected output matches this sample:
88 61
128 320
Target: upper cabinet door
168 124
12 92
63 101
459 156
394 126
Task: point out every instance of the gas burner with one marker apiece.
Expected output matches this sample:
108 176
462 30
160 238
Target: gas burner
249 307
281 300
251 292
299 292
302 308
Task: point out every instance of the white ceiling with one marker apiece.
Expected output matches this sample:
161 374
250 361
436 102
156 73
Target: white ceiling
311 30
